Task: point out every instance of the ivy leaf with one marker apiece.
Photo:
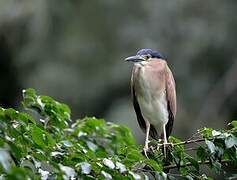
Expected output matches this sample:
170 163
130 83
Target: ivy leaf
210 146
174 139
189 177
154 165
41 137
183 171
29 100
217 167
67 143
219 151
194 163
201 154
108 163
106 175
38 137
30 149
121 167
216 133
206 132
234 123
5 160
18 173
85 168
91 146
134 175
68 171
44 174
230 141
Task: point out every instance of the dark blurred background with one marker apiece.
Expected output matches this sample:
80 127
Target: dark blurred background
73 51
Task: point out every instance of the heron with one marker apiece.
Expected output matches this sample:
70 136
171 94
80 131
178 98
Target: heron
153 95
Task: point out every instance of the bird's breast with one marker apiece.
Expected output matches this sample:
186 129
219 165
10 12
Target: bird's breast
151 94
150 82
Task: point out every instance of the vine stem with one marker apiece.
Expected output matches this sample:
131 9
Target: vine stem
173 166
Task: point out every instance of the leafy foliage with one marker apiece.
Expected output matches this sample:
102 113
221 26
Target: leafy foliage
47 145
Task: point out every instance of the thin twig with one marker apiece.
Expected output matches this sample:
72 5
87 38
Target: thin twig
191 149
173 166
189 141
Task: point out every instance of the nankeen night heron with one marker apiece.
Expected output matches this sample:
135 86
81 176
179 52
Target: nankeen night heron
153 95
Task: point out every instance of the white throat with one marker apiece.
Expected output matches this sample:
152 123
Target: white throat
141 63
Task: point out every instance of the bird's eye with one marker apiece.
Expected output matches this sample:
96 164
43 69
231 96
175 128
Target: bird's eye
148 56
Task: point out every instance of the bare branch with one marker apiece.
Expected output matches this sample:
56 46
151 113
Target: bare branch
190 141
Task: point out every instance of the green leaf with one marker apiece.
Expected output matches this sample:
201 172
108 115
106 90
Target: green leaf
134 175
230 141
234 123
18 173
121 167
217 167
18 150
42 138
50 148
216 133
26 118
134 155
201 154
29 99
85 168
11 113
69 172
206 132
106 175
38 136
5 159
157 167
210 146
189 177
193 162
92 146
29 93
219 151
173 139
108 163
184 171
123 134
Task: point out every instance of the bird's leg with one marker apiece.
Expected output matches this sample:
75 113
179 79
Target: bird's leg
164 132
147 138
165 139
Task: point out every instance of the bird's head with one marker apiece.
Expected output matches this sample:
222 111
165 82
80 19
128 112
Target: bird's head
145 55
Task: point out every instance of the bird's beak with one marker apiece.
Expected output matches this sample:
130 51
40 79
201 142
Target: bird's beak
136 58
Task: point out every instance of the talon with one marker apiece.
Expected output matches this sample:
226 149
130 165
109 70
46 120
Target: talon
158 146
145 152
168 144
152 149
145 149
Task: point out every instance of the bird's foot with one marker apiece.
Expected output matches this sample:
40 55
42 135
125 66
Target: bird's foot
164 146
159 145
167 144
145 150
153 149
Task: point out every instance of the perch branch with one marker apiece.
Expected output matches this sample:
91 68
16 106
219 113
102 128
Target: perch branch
189 141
